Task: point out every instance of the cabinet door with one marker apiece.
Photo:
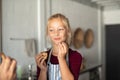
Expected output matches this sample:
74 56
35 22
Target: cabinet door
112 52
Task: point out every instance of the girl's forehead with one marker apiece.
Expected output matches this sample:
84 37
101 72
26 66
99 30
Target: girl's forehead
56 23
57 20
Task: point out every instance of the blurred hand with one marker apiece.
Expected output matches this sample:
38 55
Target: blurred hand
7 68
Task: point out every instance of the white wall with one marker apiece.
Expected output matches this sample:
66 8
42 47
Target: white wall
22 19
84 17
20 22
111 16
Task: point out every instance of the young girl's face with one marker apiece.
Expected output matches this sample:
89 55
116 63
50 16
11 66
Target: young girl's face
57 31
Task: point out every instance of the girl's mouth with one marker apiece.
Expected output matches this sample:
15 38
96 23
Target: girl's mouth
56 38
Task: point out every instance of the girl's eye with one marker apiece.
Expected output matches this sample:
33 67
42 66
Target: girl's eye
61 29
50 30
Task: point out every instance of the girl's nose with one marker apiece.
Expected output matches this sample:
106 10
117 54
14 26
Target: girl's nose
56 32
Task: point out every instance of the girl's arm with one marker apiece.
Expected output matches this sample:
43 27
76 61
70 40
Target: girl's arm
65 71
42 75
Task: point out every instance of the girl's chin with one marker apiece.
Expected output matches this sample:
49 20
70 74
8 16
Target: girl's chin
56 43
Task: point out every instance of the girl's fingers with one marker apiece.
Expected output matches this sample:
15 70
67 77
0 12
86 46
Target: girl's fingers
14 76
42 63
2 55
7 63
60 47
65 47
40 60
13 66
38 57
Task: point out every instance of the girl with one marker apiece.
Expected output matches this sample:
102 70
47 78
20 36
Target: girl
62 63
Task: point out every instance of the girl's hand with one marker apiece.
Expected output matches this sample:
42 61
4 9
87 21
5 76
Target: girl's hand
7 68
62 50
40 61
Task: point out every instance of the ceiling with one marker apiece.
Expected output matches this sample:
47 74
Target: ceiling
108 4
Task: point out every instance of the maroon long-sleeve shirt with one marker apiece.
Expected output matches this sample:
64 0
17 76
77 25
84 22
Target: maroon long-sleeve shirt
75 60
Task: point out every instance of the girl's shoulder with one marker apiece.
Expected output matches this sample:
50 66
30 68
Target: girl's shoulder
74 54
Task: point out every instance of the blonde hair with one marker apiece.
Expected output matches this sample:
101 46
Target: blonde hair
65 22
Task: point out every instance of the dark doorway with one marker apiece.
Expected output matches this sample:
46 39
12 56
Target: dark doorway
113 52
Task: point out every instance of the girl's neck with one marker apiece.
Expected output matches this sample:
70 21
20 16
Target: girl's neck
55 50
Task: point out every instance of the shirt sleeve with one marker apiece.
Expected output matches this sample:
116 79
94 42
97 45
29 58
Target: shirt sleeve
75 63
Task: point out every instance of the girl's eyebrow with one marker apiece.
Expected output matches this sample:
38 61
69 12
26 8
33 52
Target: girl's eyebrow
61 27
50 27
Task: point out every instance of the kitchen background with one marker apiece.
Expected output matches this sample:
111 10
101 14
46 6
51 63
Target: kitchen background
26 19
